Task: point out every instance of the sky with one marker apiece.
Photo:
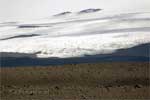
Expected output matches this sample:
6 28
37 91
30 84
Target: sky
33 9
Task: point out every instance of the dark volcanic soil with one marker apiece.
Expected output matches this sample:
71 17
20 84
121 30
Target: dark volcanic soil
125 80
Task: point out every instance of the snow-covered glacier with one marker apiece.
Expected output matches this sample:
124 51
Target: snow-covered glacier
76 35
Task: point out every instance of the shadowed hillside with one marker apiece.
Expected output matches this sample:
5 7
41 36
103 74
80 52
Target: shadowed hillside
137 53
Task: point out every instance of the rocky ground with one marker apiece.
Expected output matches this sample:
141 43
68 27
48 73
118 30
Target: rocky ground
122 80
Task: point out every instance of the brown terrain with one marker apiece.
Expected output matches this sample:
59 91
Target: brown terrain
124 80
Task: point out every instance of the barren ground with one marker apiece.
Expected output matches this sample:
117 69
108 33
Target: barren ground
124 80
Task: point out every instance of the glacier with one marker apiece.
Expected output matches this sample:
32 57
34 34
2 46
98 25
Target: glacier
76 35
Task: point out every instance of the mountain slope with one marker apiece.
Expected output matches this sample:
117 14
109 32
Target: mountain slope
76 35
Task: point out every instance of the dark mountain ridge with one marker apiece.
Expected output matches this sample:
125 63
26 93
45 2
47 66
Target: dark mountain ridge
63 13
90 10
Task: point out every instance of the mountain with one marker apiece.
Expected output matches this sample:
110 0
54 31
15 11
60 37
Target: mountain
77 35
